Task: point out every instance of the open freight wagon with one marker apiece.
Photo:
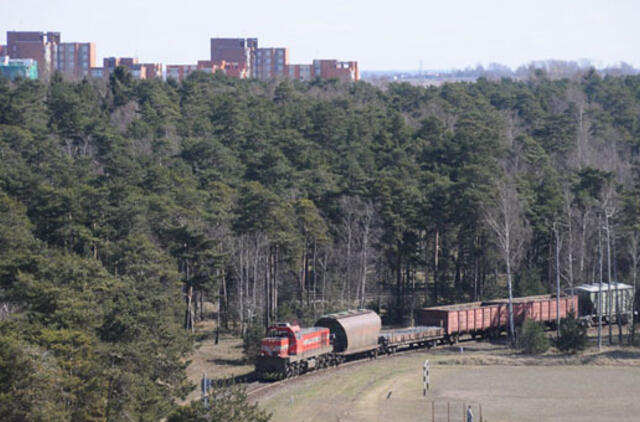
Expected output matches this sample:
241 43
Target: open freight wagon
490 318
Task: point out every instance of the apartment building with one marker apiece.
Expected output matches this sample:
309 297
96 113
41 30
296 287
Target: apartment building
238 53
229 68
39 46
334 69
301 72
180 71
110 63
270 63
137 70
75 59
150 70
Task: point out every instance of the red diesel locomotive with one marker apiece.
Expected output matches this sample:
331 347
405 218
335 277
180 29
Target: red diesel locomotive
289 350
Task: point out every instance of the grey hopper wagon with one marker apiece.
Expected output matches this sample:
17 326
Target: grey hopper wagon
354 331
620 294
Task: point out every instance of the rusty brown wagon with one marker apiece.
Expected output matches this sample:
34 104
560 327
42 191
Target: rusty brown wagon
490 318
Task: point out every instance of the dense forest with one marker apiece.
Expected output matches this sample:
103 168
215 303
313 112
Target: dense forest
125 205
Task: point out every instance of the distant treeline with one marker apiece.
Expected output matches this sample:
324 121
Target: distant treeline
125 205
551 69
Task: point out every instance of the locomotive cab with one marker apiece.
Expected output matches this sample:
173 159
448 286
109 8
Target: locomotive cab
280 340
288 349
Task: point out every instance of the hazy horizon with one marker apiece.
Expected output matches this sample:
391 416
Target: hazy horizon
378 36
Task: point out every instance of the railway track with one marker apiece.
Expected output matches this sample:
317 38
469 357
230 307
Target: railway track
257 389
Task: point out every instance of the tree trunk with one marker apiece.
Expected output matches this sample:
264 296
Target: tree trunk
615 280
315 275
600 285
583 241
267 294
555 231
634 302
363 266
436 253
609 292
570 245
303 274
274 289
512 332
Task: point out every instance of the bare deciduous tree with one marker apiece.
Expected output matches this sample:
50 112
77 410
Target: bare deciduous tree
634 253
504 214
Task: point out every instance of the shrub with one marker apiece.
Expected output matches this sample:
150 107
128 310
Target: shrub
573 335
251 342
531 338
226 403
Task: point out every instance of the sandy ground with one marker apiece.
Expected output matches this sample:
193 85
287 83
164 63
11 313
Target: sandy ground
223 360
597 386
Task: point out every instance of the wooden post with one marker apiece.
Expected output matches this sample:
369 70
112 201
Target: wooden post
480 405
448 411
433 411
425 378
463 406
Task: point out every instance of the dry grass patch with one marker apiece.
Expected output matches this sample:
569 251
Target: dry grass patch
595 386
223 360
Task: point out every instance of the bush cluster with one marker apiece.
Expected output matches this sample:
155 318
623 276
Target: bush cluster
532 339
573 334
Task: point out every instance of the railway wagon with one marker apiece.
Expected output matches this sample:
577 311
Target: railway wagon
588 295
541 308
472 318
391 340
491 317
354 332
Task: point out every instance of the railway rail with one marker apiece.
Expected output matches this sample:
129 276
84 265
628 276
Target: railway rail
257 388
355 337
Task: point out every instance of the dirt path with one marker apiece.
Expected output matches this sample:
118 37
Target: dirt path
223 360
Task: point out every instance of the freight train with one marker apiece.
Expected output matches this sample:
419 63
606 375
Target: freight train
289 350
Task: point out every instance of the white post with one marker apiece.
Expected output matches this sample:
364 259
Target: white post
425 377
204 386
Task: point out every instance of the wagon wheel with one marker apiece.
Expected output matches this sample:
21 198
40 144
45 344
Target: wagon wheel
288 372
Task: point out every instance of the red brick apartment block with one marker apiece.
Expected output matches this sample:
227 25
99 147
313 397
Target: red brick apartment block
180 71
112 62
235 50
138 70
327 69
301 72
40 46
151 70
270 63
234 69
75 59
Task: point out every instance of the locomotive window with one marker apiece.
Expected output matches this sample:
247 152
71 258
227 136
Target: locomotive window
276 333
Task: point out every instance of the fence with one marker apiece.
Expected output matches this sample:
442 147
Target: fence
452 411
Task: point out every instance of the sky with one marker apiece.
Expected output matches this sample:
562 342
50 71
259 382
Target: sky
380 34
